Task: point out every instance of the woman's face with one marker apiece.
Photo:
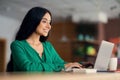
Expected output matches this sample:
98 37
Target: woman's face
44 27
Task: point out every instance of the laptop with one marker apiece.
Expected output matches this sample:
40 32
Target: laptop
103 56
102 59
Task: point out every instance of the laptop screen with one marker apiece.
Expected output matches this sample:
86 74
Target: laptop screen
103 56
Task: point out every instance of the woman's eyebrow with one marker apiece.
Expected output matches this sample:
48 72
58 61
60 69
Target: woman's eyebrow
46 19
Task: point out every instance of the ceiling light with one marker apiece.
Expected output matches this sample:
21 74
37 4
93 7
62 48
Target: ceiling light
102 17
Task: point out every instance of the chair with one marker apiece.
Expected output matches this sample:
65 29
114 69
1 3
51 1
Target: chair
2 54
10 65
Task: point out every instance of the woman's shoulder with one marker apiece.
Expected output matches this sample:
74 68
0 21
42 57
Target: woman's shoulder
48 43
17 42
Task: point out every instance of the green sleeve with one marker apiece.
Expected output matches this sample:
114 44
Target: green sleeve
57 60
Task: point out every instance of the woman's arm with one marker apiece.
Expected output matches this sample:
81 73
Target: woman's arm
60 62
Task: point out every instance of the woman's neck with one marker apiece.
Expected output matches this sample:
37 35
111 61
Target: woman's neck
34 39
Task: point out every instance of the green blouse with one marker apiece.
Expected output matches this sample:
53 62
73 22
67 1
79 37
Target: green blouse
25 58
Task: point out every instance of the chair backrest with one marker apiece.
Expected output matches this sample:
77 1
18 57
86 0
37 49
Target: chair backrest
2 54
10 65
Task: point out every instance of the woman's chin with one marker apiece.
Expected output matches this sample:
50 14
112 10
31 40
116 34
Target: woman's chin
45 35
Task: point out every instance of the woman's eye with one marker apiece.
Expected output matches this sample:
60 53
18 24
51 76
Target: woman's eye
44 21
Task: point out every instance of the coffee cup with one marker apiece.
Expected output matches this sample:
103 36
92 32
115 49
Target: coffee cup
113 64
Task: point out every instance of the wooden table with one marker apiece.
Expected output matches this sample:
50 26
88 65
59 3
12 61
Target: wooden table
60 76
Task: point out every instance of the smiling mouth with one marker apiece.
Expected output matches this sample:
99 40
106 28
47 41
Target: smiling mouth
46 31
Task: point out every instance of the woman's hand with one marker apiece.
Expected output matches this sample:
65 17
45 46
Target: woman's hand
72 65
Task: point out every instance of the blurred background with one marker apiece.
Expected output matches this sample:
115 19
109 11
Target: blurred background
78 26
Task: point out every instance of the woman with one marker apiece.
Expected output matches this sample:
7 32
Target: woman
31 51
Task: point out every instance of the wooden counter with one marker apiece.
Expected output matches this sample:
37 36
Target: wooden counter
60 76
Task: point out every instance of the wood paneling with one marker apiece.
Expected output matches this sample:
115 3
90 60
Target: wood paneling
112 29
2 54
67 28
58 30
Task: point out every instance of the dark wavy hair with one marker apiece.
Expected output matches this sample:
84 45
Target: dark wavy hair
28 26
30 23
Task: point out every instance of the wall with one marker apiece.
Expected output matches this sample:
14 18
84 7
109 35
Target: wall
112 29
63 47
8 28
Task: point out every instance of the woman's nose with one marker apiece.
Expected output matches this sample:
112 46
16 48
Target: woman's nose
49 26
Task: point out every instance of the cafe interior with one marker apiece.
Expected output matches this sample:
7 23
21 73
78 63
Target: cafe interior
78 28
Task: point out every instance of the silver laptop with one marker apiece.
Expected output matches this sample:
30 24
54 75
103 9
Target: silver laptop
103 56
102 59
